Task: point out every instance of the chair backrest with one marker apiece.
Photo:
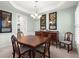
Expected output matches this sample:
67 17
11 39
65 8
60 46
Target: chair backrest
15 44
68 36
19 34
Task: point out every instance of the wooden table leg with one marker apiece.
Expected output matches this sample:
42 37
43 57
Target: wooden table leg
30 53
33 53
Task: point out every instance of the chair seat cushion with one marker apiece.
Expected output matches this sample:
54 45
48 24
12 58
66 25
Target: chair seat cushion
41 48
24 48
66 42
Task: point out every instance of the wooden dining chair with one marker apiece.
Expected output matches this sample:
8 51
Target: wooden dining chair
17 49
45 48
68 38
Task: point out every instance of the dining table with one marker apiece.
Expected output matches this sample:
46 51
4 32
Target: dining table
32 42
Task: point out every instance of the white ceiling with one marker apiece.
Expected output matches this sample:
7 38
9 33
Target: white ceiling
42 6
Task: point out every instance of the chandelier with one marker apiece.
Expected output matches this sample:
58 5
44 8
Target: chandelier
35 15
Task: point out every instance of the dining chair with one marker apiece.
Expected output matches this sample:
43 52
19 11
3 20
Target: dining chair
68 38
45 48
20 34
17 49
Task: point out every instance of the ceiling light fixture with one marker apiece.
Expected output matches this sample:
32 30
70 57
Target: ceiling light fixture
35 15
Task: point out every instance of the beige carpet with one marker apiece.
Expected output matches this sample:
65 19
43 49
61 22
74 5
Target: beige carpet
62 53
6 52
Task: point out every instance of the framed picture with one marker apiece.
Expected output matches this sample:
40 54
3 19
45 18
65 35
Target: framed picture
5 22
53 21
43 22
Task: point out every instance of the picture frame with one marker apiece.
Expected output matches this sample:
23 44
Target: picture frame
43 22
5 22
53 21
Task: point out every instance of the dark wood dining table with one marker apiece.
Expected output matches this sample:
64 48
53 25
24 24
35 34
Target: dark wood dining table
32 42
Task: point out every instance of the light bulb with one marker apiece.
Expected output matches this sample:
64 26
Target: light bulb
33 16
36 14
9 21
51 22
39 16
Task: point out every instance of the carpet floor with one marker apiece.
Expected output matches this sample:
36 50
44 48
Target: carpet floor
6 52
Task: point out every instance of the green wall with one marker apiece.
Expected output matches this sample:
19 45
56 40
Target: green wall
66 22
77 27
